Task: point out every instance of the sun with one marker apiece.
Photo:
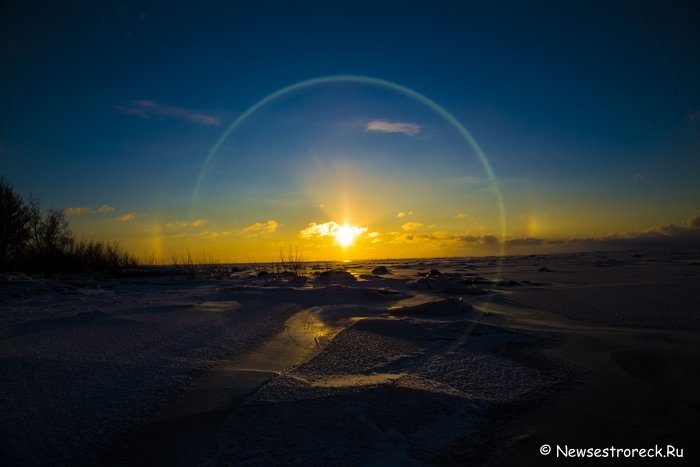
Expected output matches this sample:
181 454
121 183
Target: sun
345 235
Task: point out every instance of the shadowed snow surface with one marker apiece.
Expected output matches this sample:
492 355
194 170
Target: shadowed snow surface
70 383
395 370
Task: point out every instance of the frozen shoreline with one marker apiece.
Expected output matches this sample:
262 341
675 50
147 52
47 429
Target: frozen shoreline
409 365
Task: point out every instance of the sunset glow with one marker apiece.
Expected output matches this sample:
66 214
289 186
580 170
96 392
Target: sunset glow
346 234
399 153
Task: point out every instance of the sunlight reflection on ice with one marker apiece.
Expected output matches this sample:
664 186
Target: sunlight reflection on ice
358 380
219 306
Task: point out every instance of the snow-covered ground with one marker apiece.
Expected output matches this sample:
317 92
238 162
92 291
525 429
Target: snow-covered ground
406 366
82 360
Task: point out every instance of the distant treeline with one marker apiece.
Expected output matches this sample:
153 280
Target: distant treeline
32 240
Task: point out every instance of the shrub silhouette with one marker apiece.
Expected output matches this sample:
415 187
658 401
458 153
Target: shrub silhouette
36 241
15 221
51 236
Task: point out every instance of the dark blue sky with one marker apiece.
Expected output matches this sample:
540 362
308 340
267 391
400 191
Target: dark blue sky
596 104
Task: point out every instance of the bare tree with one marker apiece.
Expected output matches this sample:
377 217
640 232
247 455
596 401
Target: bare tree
50 234
41 241
15 221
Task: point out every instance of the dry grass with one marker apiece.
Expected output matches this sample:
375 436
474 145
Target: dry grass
78 256
292 262
198 264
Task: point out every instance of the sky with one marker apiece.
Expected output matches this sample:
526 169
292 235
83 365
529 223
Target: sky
351 130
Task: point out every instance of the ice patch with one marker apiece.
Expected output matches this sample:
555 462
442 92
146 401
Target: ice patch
446 307
342 381
220 306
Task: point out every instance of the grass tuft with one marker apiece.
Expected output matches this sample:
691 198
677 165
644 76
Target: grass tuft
292 262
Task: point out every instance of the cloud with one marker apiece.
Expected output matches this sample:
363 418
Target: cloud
667 236
662 236
261 228
462 215
328 229
401 214
489 240
529 241
659 237
105 208
408 226
693 222
177 223
213 235
70 212
147 108
383 126
128 217
478 239
445 238
319 230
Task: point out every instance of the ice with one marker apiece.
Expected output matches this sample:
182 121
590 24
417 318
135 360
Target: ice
247 370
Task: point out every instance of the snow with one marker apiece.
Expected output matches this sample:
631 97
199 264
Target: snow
73 380
345 368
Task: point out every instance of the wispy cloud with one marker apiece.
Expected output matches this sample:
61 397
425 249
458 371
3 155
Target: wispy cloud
383 126
147 108
128 217
261 228
409 226
176 224
401 214
105 208
71 212
693 222
79 211
213 235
